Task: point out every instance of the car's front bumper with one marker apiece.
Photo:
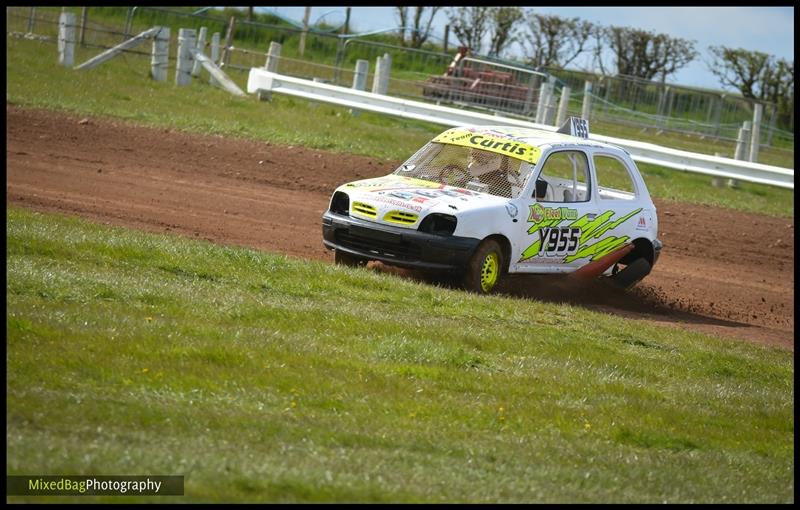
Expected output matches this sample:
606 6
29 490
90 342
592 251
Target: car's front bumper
396 245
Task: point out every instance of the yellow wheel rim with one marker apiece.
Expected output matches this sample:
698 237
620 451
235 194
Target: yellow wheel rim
489 271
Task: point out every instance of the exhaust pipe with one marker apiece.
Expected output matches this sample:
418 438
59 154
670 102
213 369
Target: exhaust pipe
595 269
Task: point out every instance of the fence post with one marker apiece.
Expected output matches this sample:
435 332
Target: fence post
346 26
84 20
360 80
710 112
586 111
548 100
273 55
717 181
550 109
226 53
540 106
526 107
128 24
755 141
222 78
183 67
360 76
446 37
119 48
533 87
302 47
772 118
66 39
215 47
670 102
546 94
31 19
562 106
386 70
201 45
741 148
608 84
271 65
378 76
742 141
214 55
160 56
718 113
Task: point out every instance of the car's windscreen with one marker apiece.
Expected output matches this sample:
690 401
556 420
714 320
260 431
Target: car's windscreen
468 168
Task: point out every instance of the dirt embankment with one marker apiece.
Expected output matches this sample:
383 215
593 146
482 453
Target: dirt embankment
722 272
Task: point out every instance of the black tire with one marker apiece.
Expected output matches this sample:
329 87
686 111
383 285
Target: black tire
343 258
485 268
632 274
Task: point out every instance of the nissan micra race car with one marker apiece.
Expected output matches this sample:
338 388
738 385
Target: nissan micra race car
485 202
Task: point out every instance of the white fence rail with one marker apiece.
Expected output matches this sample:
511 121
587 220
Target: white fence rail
263 80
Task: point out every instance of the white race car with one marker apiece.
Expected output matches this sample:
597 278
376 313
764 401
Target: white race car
488 201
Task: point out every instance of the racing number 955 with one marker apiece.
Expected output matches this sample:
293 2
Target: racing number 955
559 240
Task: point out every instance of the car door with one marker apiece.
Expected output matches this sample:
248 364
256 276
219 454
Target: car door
558 203
620 198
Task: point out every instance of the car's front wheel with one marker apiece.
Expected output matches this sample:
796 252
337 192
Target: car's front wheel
484 268
343 258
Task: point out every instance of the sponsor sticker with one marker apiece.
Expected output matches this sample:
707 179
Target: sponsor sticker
539 214
398 203
485 141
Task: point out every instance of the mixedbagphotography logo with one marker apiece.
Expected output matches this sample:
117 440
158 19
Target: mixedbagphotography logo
90 485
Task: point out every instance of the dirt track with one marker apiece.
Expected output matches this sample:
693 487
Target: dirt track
721 272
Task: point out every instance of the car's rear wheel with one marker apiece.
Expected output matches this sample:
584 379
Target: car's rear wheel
632 273
343 258
485 268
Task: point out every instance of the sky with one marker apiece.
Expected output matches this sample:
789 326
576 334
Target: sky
766 29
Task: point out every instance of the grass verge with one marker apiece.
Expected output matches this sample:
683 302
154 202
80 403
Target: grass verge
266 378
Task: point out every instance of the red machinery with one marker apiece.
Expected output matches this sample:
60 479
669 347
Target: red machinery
494 89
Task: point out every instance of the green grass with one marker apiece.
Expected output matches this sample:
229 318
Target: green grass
122 89
261 377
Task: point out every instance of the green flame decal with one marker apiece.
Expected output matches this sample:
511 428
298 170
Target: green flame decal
590 229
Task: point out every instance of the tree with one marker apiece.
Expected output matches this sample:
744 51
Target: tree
645 54
780 87
420 34
470 25
402 13
421 29
504 22
553 41
756 75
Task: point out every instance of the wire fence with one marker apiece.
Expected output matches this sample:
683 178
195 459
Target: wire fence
90 36
676 108
706 121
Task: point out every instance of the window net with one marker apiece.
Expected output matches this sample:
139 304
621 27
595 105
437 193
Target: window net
472 169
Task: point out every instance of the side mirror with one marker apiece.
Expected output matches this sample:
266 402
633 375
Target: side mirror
541 189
